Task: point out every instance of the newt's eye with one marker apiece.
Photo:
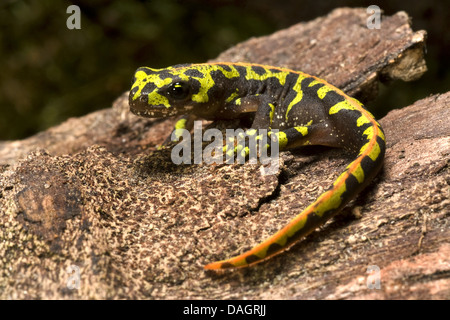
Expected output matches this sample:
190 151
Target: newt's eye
178 90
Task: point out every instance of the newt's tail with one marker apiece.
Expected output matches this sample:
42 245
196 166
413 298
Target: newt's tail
356 176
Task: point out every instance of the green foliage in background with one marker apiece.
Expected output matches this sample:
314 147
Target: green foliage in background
49 73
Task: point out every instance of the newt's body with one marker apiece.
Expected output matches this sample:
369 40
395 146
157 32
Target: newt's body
306 111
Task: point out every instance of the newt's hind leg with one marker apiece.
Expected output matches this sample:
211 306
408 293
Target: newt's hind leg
311 134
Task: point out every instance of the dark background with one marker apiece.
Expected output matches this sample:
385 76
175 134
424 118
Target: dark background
49 73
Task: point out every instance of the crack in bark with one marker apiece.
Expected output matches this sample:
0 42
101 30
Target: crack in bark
283 178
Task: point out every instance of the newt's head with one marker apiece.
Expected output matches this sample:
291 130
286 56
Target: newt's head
163 92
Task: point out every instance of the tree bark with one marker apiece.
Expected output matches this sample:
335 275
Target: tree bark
98 200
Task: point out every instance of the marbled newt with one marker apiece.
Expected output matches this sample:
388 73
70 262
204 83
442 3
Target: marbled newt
306 110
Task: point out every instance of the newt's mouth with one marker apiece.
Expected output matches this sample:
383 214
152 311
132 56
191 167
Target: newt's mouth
140 106
154 112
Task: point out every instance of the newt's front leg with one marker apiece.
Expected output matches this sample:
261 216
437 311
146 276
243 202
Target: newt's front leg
185 122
